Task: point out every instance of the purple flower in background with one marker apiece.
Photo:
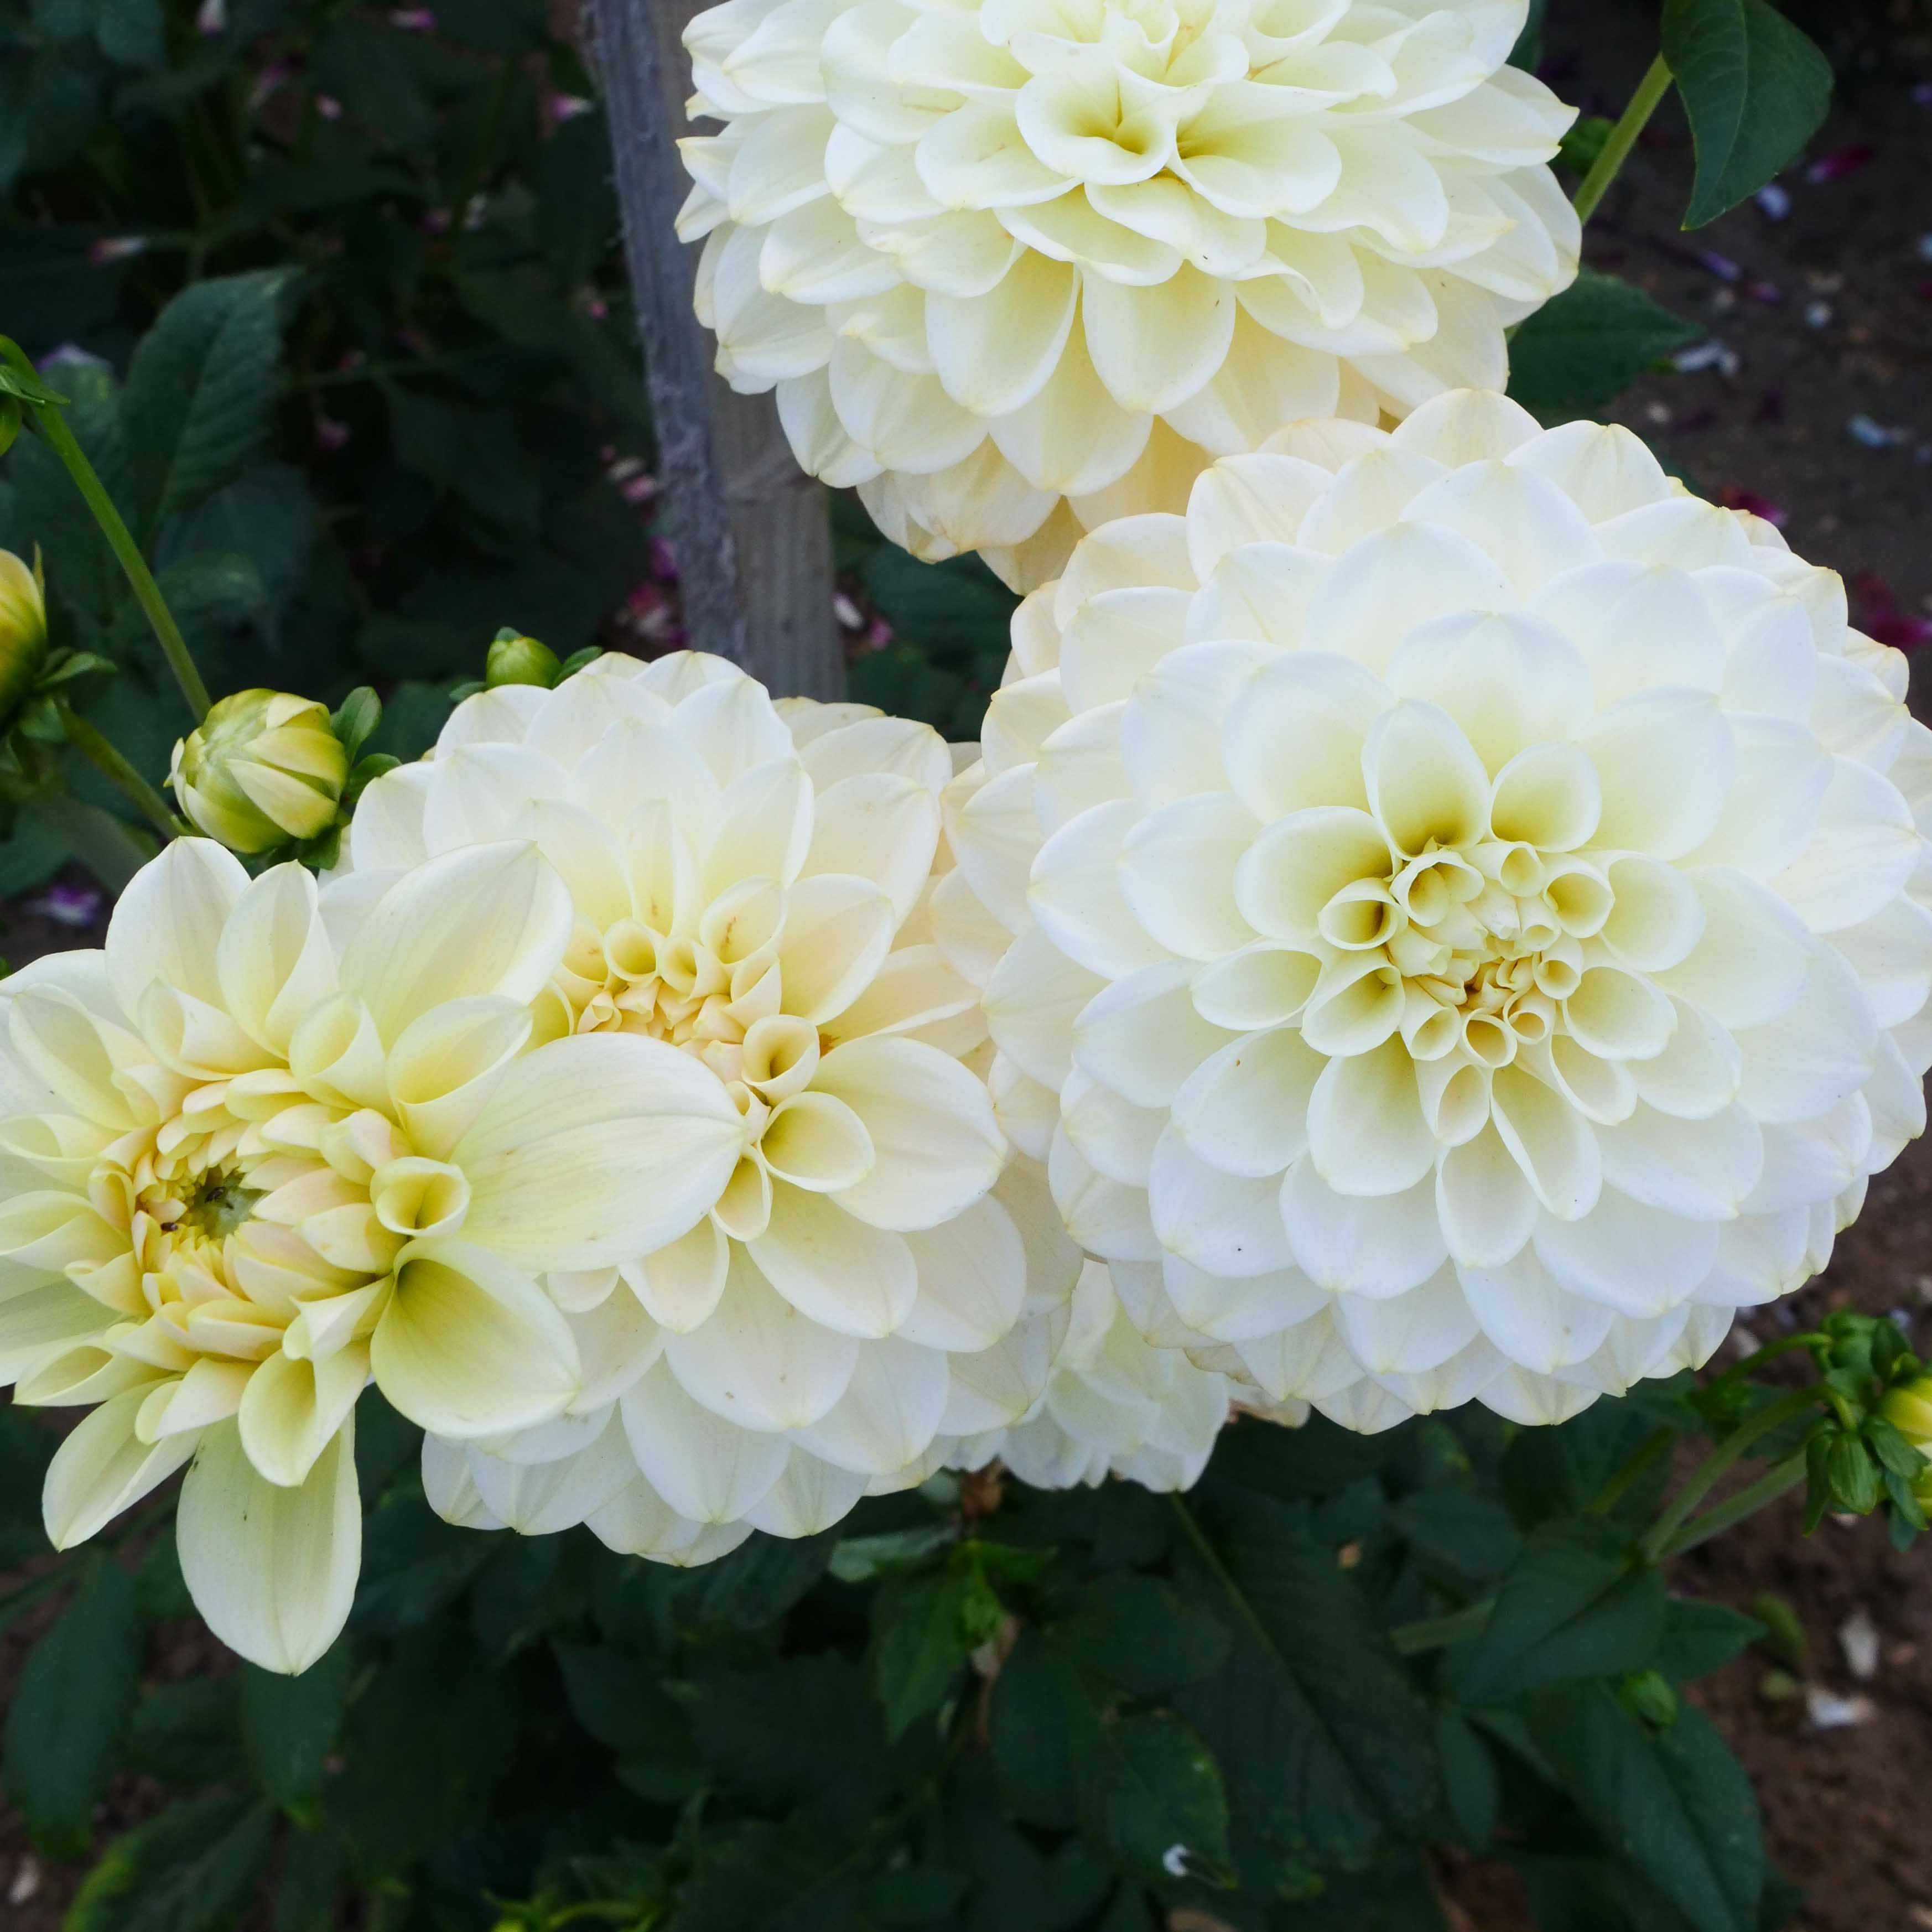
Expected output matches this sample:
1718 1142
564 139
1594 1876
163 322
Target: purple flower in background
328 107
1875 611
1735 497
414 19
330 435
212 20
69 905
664 561
1775 201
1841 162
568 106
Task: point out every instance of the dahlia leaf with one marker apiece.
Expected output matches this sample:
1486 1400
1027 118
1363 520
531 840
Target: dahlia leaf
1756 90
75 1698
187 1870
1580 352
1574 1606
1675 1805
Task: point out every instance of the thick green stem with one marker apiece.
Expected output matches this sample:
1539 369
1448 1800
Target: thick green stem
107 760
1439 1633
1662 1533
1623 137
1784 1478
49 422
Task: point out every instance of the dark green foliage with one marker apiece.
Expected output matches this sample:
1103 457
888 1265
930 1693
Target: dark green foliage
1577 354
1756 90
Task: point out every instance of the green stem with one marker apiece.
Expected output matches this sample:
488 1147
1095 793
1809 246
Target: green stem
1623 137
107 760
1439 1633
1613 1492
1785 1344
1659 1538
1785 1477
49 420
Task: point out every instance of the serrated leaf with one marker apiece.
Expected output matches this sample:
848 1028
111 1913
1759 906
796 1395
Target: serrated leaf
1577 1603
919 1644
199 389
1675 1805
75 1696
1755 90
1027 1724
1700 1638
1150 1796
187 1870
1325 1742
1579 352
1140 1635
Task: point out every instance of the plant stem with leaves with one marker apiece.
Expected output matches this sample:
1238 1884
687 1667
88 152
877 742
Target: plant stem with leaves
1623 137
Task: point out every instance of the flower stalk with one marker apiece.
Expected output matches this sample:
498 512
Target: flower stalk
47 419
107 760
1623 137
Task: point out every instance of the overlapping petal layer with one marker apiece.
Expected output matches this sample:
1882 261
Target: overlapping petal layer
1016 267
274 1141
748 886
1117 1404
1455 912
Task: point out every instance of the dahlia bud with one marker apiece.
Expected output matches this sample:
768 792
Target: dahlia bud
23 630
520 660
1909 1410
264 767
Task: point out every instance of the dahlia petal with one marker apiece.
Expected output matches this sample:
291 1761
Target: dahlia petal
834 1269
759 1362
702 1467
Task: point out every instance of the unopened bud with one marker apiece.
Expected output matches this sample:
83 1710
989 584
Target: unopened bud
1856 1486
1648 1694
1909 1410
264 767
520 660
23 632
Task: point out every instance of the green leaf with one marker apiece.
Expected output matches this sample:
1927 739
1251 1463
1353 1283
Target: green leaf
184 1734
1469 1785
1140 1635
1579 353
290 1726
26 1449
311 1873
1700 1638
1029 1727
75 1696
433 1738
1151 1795
189 1870
356 717
1577 1604
620 1701
267 516
199 389
413 1563
1324 1740
159 1591
860 1559
368 69
920 1644
758 1583
1675 1805
1472 1534
1755 89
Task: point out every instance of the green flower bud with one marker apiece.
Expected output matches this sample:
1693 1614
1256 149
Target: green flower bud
1909 1410
1856 1486
23 632
1648 1694
518 660
264 767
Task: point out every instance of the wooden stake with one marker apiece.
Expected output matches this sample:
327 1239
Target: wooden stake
752 531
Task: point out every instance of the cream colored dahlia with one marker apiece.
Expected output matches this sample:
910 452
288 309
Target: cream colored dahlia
1453 911
1116 1405
1017 267
749 884
272 1142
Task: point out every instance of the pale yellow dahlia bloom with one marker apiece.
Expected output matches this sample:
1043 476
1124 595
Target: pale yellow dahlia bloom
1016 267
1117 1405
1455 910
274 1140
749 883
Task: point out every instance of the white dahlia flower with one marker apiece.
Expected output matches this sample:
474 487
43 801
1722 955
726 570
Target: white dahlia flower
273 1141
1116 1405
749 884
1015 267
1453 910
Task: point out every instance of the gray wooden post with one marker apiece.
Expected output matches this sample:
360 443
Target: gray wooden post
752 531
